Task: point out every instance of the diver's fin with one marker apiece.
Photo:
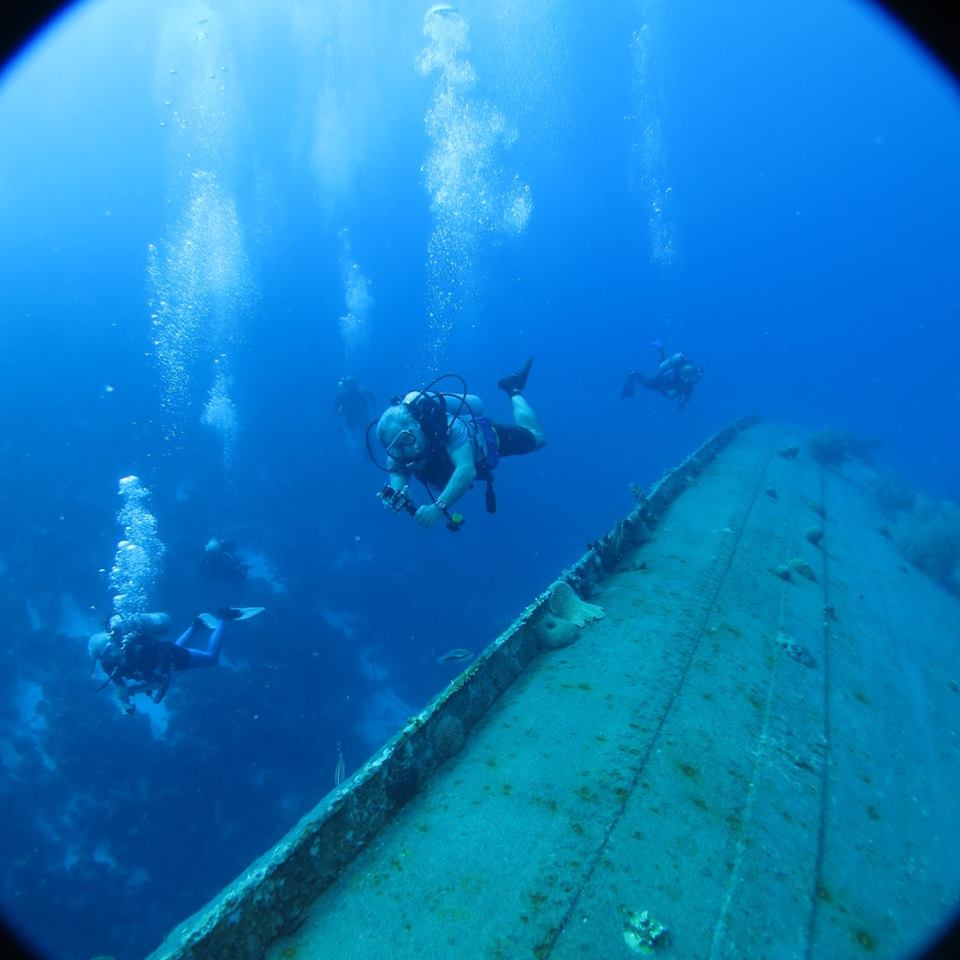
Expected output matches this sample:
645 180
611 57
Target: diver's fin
243 613
515 382
212 621
628 387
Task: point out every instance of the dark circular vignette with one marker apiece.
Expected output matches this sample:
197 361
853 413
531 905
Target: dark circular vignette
932 22
21 21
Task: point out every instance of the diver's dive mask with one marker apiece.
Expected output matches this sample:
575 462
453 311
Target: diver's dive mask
404 449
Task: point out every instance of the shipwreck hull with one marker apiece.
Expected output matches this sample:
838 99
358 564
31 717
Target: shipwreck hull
756 748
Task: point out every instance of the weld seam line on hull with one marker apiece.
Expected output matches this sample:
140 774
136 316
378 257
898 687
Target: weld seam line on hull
825 766
545 949
759 755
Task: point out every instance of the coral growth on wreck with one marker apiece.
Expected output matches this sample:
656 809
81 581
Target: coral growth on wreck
564 603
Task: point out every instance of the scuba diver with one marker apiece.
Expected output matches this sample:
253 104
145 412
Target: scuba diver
675 378
221 563
352 403
135 659
446 441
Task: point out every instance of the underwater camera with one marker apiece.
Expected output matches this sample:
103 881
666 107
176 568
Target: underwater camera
398 500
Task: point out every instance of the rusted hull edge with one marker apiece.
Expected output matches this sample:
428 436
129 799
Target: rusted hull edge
270 898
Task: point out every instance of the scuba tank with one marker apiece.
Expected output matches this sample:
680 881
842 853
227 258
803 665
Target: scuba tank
142 624
97 644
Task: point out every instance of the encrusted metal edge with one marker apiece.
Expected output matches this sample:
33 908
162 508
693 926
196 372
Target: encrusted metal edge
271 897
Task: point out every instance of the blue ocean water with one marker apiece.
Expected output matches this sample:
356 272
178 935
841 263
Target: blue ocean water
210 213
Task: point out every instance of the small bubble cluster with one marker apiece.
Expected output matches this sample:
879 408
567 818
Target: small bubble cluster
471 196
200 282
648 173
516 214
139 553
220 412
198 274
354 332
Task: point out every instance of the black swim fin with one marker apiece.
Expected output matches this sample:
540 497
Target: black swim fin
628 387
514 383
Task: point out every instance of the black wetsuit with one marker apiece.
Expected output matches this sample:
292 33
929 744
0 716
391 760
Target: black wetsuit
222 564
675 379
144 665
352 403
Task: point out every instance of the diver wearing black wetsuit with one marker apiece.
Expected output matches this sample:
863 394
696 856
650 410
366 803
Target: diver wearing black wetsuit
136 660
675 378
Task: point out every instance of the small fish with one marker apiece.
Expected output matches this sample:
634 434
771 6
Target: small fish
455 655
